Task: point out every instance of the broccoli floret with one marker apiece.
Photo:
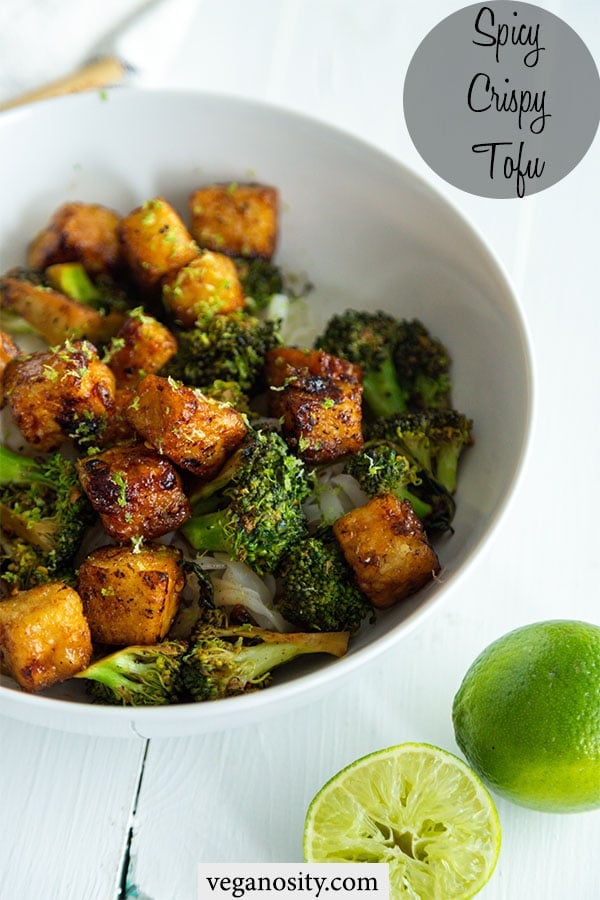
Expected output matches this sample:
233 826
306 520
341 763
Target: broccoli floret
138 676
368 339
44 513
435 439
260 279
423 366
381 468
228 347
317 590
225 660
228 392
404 366
252 510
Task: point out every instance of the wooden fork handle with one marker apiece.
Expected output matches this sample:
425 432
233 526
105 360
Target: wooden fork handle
97 74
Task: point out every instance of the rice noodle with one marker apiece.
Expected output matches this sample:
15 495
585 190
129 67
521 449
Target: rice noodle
335 494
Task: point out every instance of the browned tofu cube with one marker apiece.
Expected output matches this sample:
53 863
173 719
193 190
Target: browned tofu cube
8 351
282 363
155 242
386 545
54 315
142 345
236 219
118 430
131 596
44 637
321 419
195 431
62 393
78 232
135 491
208 284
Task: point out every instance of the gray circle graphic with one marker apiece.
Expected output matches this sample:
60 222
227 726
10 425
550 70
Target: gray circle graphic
502 99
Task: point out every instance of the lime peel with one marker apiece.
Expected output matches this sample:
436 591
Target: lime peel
527 716
418 808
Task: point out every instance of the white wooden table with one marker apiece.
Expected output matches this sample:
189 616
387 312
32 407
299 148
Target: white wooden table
98 819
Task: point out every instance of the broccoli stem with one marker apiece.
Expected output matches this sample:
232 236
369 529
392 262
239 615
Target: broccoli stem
447 466
73 280
17 469
255 662
207 532
382 391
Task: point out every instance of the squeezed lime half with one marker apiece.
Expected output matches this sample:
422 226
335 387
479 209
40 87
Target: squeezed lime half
416 807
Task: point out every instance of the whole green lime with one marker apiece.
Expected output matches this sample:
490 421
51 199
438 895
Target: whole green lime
527 716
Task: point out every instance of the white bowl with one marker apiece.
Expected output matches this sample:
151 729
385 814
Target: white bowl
367 231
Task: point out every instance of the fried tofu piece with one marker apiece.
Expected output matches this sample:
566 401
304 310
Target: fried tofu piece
8 351
131 597
236 219
61 393
321 418
155 243
193 430
78 232
54 315
143 345
135 491
282 363
318 398
208 284
118 430
44 637
386 545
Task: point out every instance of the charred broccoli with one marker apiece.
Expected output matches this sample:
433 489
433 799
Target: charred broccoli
252 510
367 339
260 279
435 439
422 364
44 513
228 347
381 468
138 676
225 660
403 366
317 590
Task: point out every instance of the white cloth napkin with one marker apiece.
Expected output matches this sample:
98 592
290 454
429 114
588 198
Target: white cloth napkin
41 40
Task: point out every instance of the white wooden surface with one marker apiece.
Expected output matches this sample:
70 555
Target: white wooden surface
69 805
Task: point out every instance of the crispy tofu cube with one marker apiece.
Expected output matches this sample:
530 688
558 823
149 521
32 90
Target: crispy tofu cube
44 637
193 430
62 393
54 315
155 243
118 430
386 545
135 491
318 397
8 351
208 284
142 345
282 363
78 232
321 418
236 219
131 597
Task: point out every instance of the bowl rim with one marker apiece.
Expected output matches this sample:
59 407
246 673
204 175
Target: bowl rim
89 717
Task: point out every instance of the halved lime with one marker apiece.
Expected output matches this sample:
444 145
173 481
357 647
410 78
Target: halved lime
416 807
